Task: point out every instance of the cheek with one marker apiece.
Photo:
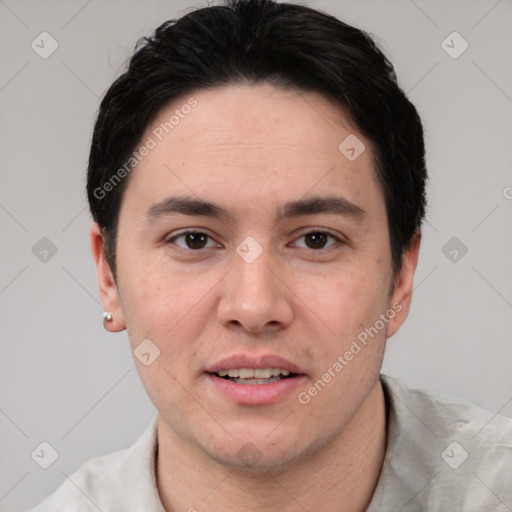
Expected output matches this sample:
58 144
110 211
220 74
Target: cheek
165 308
344 308
348 303
169 307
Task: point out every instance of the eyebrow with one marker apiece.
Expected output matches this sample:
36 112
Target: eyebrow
182 205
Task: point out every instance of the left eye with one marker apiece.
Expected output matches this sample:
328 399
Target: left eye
317 240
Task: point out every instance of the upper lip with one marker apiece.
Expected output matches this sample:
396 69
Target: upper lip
254 362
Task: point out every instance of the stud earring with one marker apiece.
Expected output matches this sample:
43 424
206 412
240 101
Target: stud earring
107 316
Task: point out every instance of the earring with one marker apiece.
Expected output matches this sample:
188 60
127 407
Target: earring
107 316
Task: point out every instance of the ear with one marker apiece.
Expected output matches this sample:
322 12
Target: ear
403 282
109 294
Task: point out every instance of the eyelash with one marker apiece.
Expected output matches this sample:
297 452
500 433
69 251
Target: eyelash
337 240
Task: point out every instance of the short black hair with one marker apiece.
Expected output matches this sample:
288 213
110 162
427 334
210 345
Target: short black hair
253 41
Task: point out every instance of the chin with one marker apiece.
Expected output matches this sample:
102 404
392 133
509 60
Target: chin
256 462
255 453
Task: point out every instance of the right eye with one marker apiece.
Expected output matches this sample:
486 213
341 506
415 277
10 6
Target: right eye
193 240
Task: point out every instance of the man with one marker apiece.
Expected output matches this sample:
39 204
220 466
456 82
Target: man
257 183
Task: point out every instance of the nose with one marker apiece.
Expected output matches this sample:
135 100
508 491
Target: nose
255 296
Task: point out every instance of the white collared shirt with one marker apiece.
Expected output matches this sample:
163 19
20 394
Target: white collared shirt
443 454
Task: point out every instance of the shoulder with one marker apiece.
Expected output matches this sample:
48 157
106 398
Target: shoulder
124 478
444 451
79 491
448 415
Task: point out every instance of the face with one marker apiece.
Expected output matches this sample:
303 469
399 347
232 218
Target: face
249 242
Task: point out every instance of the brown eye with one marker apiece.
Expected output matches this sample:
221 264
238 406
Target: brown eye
194 240
318 240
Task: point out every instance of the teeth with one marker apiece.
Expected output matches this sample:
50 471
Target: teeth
246 373
262 373
250 373
252 382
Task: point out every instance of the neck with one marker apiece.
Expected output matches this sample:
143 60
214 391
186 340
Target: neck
345 472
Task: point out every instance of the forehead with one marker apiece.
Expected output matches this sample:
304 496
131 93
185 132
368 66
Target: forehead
242 117
254 139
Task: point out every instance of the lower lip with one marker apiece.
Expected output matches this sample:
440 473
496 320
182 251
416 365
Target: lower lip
256 394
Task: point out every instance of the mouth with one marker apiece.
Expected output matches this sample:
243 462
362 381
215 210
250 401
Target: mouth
255 376
247 379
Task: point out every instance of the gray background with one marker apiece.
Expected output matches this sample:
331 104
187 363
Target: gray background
66 381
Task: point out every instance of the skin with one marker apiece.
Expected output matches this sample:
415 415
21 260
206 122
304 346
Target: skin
252 148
